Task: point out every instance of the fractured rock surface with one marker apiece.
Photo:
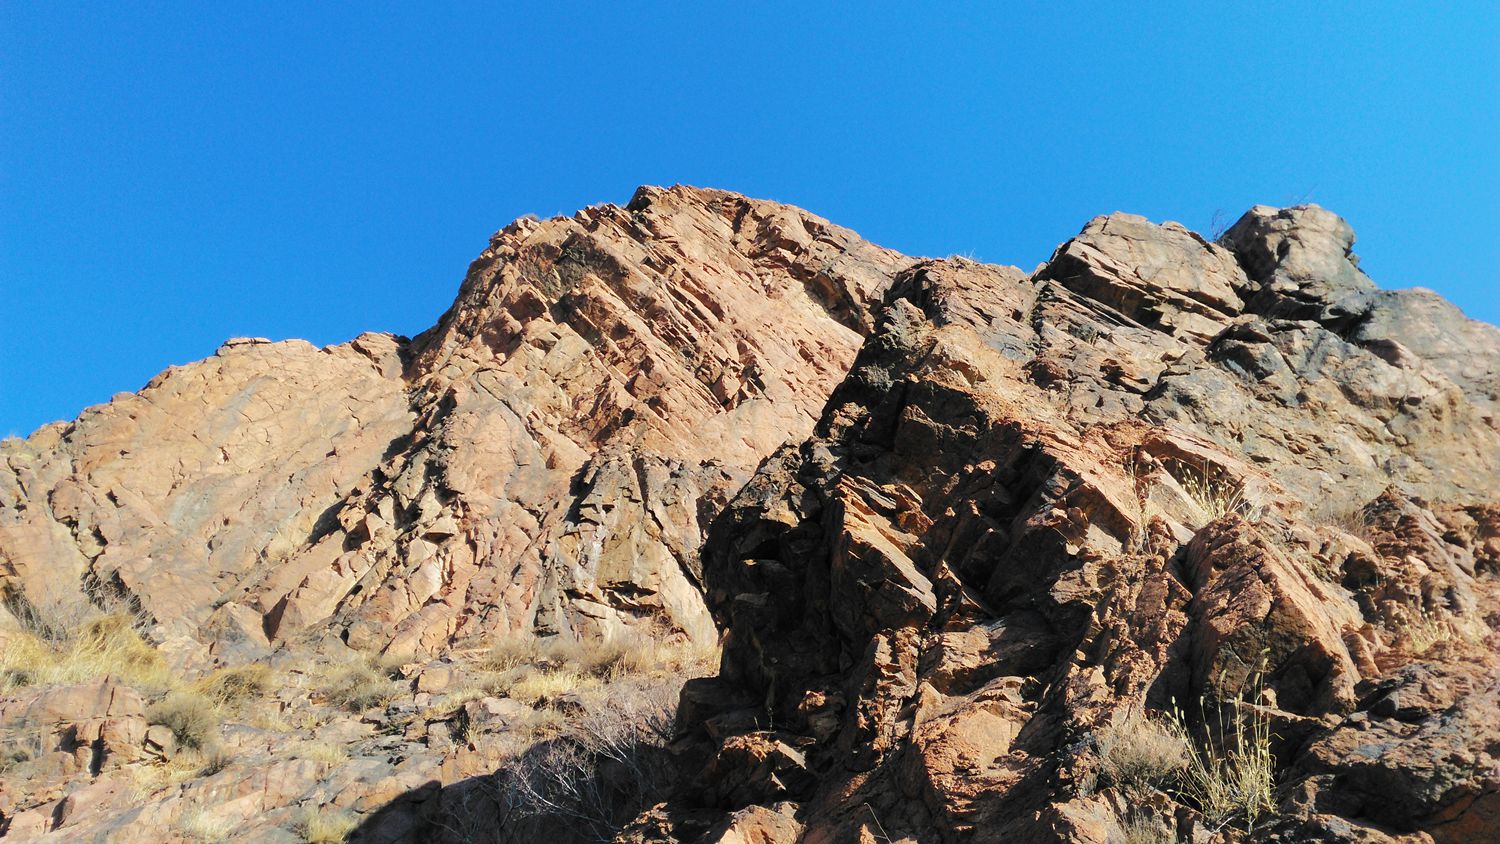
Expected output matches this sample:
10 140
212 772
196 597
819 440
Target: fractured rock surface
1159 471
543 460
954 523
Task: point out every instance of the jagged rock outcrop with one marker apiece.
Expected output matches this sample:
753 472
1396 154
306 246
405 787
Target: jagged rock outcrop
544 460
959 528
1233 478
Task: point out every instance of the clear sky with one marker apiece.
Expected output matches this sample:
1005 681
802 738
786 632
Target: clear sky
173 174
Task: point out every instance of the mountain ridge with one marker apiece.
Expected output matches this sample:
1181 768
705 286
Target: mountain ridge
930 509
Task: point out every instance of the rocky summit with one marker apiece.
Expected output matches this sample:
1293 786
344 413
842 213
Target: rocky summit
703 520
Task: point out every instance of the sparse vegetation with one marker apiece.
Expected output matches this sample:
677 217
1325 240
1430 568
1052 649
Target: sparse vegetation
360 684
191 717
1137 751
228 688
1145 830
1422 630
1227 773
1355 521
610 764
530 687
198 824
186 765
1216 493
326 825
531 670
48 654
325 752
1230 775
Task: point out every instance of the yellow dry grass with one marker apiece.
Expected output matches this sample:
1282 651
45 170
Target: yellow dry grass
1422 631
326 825
1230 775
200 824
325 752
1136 751
105 645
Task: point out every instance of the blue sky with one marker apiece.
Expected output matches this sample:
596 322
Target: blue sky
173 174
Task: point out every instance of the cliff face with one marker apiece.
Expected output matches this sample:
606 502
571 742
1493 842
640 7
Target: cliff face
542 460
1232 481
968 535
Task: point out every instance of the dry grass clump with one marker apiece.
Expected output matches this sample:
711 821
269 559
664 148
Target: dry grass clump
1144 830
606 660
1228 775
191 717
1216 494
530 687
272 722
197 824
530 670
1231 775
1422 631
359 684
184 766
507 654
325 752
1136 751
229 687
325 825
104 645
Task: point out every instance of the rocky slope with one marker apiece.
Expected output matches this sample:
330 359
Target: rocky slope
1056 557
1232 481
538 461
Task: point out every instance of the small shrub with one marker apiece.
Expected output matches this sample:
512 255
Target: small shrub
594 778
230 687
199 825
359 685
1140 752
325 826
192 718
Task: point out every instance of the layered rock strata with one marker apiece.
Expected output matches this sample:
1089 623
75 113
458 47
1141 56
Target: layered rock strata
542 461
958 527
1235 481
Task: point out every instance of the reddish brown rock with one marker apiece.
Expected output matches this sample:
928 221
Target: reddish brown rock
953 522
1038 504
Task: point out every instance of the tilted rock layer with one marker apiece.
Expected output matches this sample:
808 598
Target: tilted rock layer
954 523
542 460
1232 480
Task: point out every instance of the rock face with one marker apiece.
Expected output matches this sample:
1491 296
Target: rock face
959 527
1233 478
542 460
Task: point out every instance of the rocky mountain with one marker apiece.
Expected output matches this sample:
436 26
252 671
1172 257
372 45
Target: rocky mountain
540 461
1170 540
